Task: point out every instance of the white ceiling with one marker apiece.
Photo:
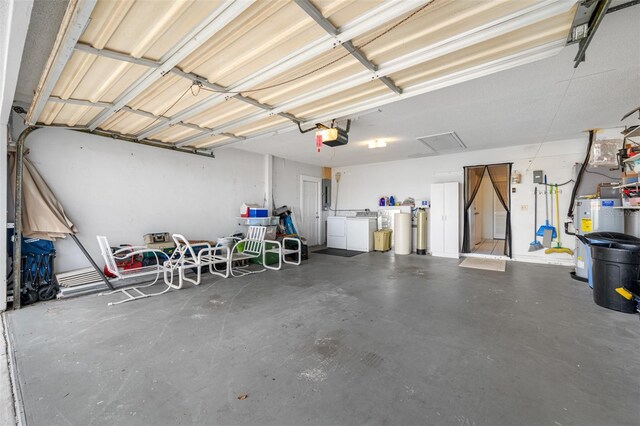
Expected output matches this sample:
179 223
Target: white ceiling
543 101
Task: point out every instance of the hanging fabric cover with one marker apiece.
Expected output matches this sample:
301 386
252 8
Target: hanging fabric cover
42 214
473 179
500 175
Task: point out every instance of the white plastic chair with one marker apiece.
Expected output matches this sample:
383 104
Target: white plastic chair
252 248
111 258
184 257
282 252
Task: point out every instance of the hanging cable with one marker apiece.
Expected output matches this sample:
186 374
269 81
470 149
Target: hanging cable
557 184
592 137
197 84
553 119
602 174
189 89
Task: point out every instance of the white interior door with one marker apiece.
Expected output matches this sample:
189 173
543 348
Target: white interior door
451 223
310 207
476 219
436 224
499 219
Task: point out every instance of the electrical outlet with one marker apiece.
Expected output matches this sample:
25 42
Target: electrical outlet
524 207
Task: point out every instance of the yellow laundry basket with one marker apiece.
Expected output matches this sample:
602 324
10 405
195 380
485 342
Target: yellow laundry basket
382 240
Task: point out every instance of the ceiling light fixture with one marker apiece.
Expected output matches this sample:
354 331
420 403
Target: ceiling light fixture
377 144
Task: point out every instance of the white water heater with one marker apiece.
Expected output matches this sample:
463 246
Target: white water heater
595 215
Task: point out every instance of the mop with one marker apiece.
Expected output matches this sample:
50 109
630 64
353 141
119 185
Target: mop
558 248
550 230
535 244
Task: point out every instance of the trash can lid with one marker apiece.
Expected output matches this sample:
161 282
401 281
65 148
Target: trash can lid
616 239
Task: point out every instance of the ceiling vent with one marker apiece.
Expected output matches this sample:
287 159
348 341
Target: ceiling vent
442 143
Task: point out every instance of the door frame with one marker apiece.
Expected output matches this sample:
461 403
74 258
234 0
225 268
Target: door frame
318 182
509 236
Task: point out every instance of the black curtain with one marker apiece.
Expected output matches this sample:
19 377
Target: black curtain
472 179
500 175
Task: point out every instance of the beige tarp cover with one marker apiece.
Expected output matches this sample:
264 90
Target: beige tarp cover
42 214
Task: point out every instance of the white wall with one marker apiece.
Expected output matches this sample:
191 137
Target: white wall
124 191
361 186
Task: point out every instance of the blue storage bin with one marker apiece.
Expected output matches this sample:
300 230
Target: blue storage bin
258 212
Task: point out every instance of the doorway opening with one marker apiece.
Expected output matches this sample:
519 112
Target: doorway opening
487 216
488 221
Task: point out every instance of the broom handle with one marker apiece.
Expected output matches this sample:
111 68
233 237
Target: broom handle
546 201
535 211
558 214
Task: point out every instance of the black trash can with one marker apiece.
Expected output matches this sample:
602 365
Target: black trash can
616 263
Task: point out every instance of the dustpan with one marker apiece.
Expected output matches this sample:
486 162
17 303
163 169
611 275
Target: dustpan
540 232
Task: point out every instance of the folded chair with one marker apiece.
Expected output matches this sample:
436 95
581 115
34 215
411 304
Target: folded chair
282 251
251 247
185 257
111 259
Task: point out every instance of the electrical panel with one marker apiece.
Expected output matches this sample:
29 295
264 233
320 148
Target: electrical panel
538 176
326 194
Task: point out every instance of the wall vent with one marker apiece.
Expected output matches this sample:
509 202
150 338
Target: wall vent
442 143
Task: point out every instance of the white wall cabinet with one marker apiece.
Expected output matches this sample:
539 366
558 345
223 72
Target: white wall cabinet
444 220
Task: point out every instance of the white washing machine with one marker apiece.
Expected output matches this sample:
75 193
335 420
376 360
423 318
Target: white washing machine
337 232
360 233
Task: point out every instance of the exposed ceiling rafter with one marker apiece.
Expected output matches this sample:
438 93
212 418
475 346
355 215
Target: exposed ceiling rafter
211 25
447 44
86 103
498 27
381 14
508 62
315 14
106 53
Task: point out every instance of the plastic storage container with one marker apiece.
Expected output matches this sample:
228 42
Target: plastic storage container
257 212
616 263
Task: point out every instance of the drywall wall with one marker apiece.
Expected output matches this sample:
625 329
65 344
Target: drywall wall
361 186
124 191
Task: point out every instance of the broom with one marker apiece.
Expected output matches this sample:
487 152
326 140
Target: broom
558 248
535 244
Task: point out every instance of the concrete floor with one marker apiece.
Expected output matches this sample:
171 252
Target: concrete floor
373 339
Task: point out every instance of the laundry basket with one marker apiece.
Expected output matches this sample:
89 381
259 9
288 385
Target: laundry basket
382 240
